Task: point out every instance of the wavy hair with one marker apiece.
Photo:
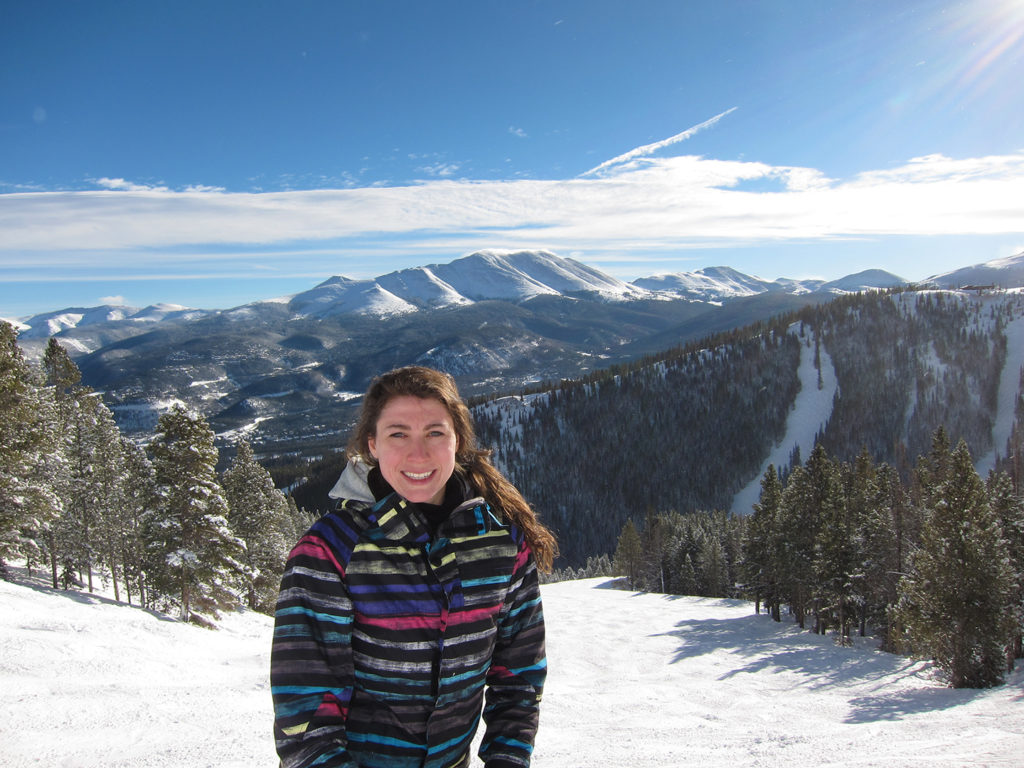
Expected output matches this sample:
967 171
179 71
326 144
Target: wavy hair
472 462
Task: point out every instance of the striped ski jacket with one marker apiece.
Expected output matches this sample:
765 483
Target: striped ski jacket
386 638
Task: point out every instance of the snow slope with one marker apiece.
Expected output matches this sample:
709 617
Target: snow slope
635 680
1006 402
808 416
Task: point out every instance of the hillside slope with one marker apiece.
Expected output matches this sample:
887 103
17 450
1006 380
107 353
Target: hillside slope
694 428
636 680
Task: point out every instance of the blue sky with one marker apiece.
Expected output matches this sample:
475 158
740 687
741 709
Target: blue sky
214 153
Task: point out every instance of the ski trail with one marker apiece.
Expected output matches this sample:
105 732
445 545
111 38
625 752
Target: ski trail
810 413
1009 389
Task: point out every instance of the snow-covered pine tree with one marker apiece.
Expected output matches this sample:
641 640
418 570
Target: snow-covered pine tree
110 487
91 478
65 541
193 556
686 576
1009 509
27 505
259 515
138 497
956 601
45 475
299 520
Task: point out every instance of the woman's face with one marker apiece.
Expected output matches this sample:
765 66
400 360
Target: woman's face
414 444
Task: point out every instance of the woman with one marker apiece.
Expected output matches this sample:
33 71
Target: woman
398 609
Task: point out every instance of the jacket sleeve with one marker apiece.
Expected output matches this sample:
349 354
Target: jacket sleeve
311 674
518 670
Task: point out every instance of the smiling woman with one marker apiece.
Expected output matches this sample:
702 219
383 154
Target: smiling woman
400 608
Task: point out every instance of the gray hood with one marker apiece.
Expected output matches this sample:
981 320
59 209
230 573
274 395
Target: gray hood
353 483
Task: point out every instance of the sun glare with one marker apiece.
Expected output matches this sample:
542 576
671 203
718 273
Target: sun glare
986 40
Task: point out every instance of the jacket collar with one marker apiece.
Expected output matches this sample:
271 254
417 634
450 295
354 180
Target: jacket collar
399 520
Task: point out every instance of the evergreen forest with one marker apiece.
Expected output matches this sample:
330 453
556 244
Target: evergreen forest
156 523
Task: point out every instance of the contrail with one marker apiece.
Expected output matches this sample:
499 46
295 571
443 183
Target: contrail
649 148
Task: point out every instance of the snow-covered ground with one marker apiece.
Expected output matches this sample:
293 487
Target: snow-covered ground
636 680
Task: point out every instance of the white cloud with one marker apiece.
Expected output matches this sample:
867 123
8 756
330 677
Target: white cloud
519 132
114 300
647 204
126 186
440 170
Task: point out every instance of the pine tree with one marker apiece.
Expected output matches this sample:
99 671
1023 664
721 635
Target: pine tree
139 499
956 600
193 556
629 555
300 520
654 552
760 549
687 577
258 514
888 540
838 558
715 568
61 372
810 490
109 482
27 506
88 524
1008 508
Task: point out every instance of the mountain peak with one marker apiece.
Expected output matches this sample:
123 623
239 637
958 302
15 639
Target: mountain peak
1004 272
482 275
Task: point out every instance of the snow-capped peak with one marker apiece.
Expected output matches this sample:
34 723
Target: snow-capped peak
1004 272
708 284
508 275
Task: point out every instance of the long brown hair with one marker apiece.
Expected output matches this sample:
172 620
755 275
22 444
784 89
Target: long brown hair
472 462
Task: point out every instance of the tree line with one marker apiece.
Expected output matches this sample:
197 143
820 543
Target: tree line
934 567
80 501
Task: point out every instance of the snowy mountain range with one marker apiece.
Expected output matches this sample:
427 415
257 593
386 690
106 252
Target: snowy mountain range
490 275
286 372
481 276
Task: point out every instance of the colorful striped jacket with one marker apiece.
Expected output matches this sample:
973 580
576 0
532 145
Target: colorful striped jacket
385 638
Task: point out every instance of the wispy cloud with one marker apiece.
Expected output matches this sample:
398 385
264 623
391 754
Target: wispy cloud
665 204
518 132
648 149
440 169
126 186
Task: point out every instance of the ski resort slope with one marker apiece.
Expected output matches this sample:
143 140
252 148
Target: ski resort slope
1009 392
808 417
635 680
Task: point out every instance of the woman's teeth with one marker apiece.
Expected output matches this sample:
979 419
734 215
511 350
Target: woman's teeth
418 475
